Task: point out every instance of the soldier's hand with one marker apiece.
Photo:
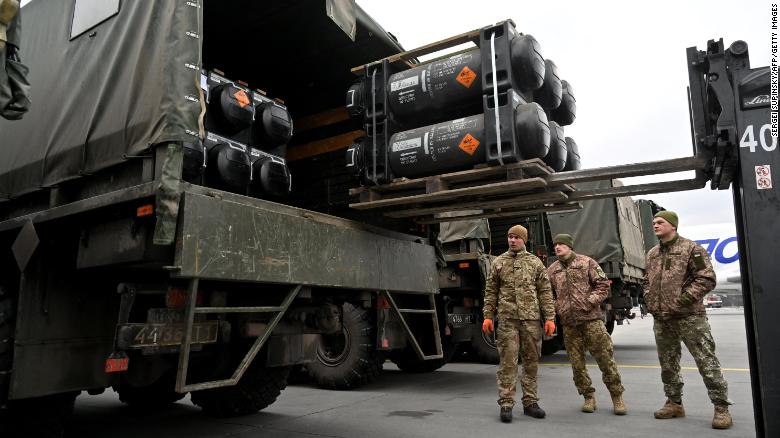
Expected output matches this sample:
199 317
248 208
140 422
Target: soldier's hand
487 326
686 299
549 328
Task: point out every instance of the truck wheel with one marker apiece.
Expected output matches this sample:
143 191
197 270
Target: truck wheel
258 388
407 359
298 375
609 322
157 395
348 359
7 328
610 325
552 346
44 417
485 345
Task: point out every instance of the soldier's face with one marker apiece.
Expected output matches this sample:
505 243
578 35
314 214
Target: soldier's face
562 250
515 242
662 228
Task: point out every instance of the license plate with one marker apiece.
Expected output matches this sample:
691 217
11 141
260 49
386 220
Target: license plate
456 319
160 335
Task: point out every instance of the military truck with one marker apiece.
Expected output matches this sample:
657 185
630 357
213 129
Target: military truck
151 237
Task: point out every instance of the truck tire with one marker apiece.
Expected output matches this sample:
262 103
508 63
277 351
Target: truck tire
151 397
609 322
42 417
258 388
348 360
298 375
610 325
7 328
485 345
407 359
552 346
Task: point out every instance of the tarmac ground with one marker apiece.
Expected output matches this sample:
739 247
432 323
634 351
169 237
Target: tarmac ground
460 400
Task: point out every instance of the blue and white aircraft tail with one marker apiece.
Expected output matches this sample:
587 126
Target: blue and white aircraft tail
720 241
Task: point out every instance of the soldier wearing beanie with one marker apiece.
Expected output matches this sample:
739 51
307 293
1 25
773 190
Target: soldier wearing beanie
678 275
518 290
580 287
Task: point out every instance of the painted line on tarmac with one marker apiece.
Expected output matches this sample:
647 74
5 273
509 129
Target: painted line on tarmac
655 367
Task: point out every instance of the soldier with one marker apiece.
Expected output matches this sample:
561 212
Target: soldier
580 287
678 275
518 288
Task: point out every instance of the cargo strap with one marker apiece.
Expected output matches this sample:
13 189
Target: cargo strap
168 194
186 344
495 97
404 314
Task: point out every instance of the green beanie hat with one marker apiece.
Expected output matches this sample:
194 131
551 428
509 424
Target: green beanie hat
668 216
565 239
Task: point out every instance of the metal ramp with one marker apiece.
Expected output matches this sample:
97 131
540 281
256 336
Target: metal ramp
406 313
191 310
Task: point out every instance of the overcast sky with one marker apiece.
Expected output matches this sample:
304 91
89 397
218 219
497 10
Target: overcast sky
627 65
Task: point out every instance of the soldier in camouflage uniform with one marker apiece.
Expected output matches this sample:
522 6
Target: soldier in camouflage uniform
518 289
580 287
678 275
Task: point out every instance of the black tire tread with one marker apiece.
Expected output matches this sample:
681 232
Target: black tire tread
361 367
157 395
257 389
7 328
408 362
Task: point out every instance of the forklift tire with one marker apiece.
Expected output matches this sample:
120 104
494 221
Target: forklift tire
257 389
349 359
151 397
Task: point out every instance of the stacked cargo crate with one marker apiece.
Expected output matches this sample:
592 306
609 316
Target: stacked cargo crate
245 141
498 104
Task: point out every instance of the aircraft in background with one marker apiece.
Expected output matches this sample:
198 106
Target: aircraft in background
720 241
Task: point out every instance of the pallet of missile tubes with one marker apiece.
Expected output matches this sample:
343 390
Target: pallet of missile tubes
245 142
449 134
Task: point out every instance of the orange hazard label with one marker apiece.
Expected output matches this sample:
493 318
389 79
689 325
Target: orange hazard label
466 77
469 144
242 98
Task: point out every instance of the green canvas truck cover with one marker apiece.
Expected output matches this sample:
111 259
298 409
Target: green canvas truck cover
131 81
608 230
101 96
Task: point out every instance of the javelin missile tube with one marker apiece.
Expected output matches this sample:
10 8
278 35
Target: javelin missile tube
460 144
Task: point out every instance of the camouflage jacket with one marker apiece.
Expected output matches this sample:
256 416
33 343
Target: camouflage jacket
517 287
580 287
673 268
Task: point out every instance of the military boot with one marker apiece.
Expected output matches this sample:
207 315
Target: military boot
506 414
589 405
722 417
619 406
533 410
670 410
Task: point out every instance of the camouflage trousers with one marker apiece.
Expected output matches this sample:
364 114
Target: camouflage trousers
694 332
518 338
591 336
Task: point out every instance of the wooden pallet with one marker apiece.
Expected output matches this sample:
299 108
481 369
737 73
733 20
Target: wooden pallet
512 186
